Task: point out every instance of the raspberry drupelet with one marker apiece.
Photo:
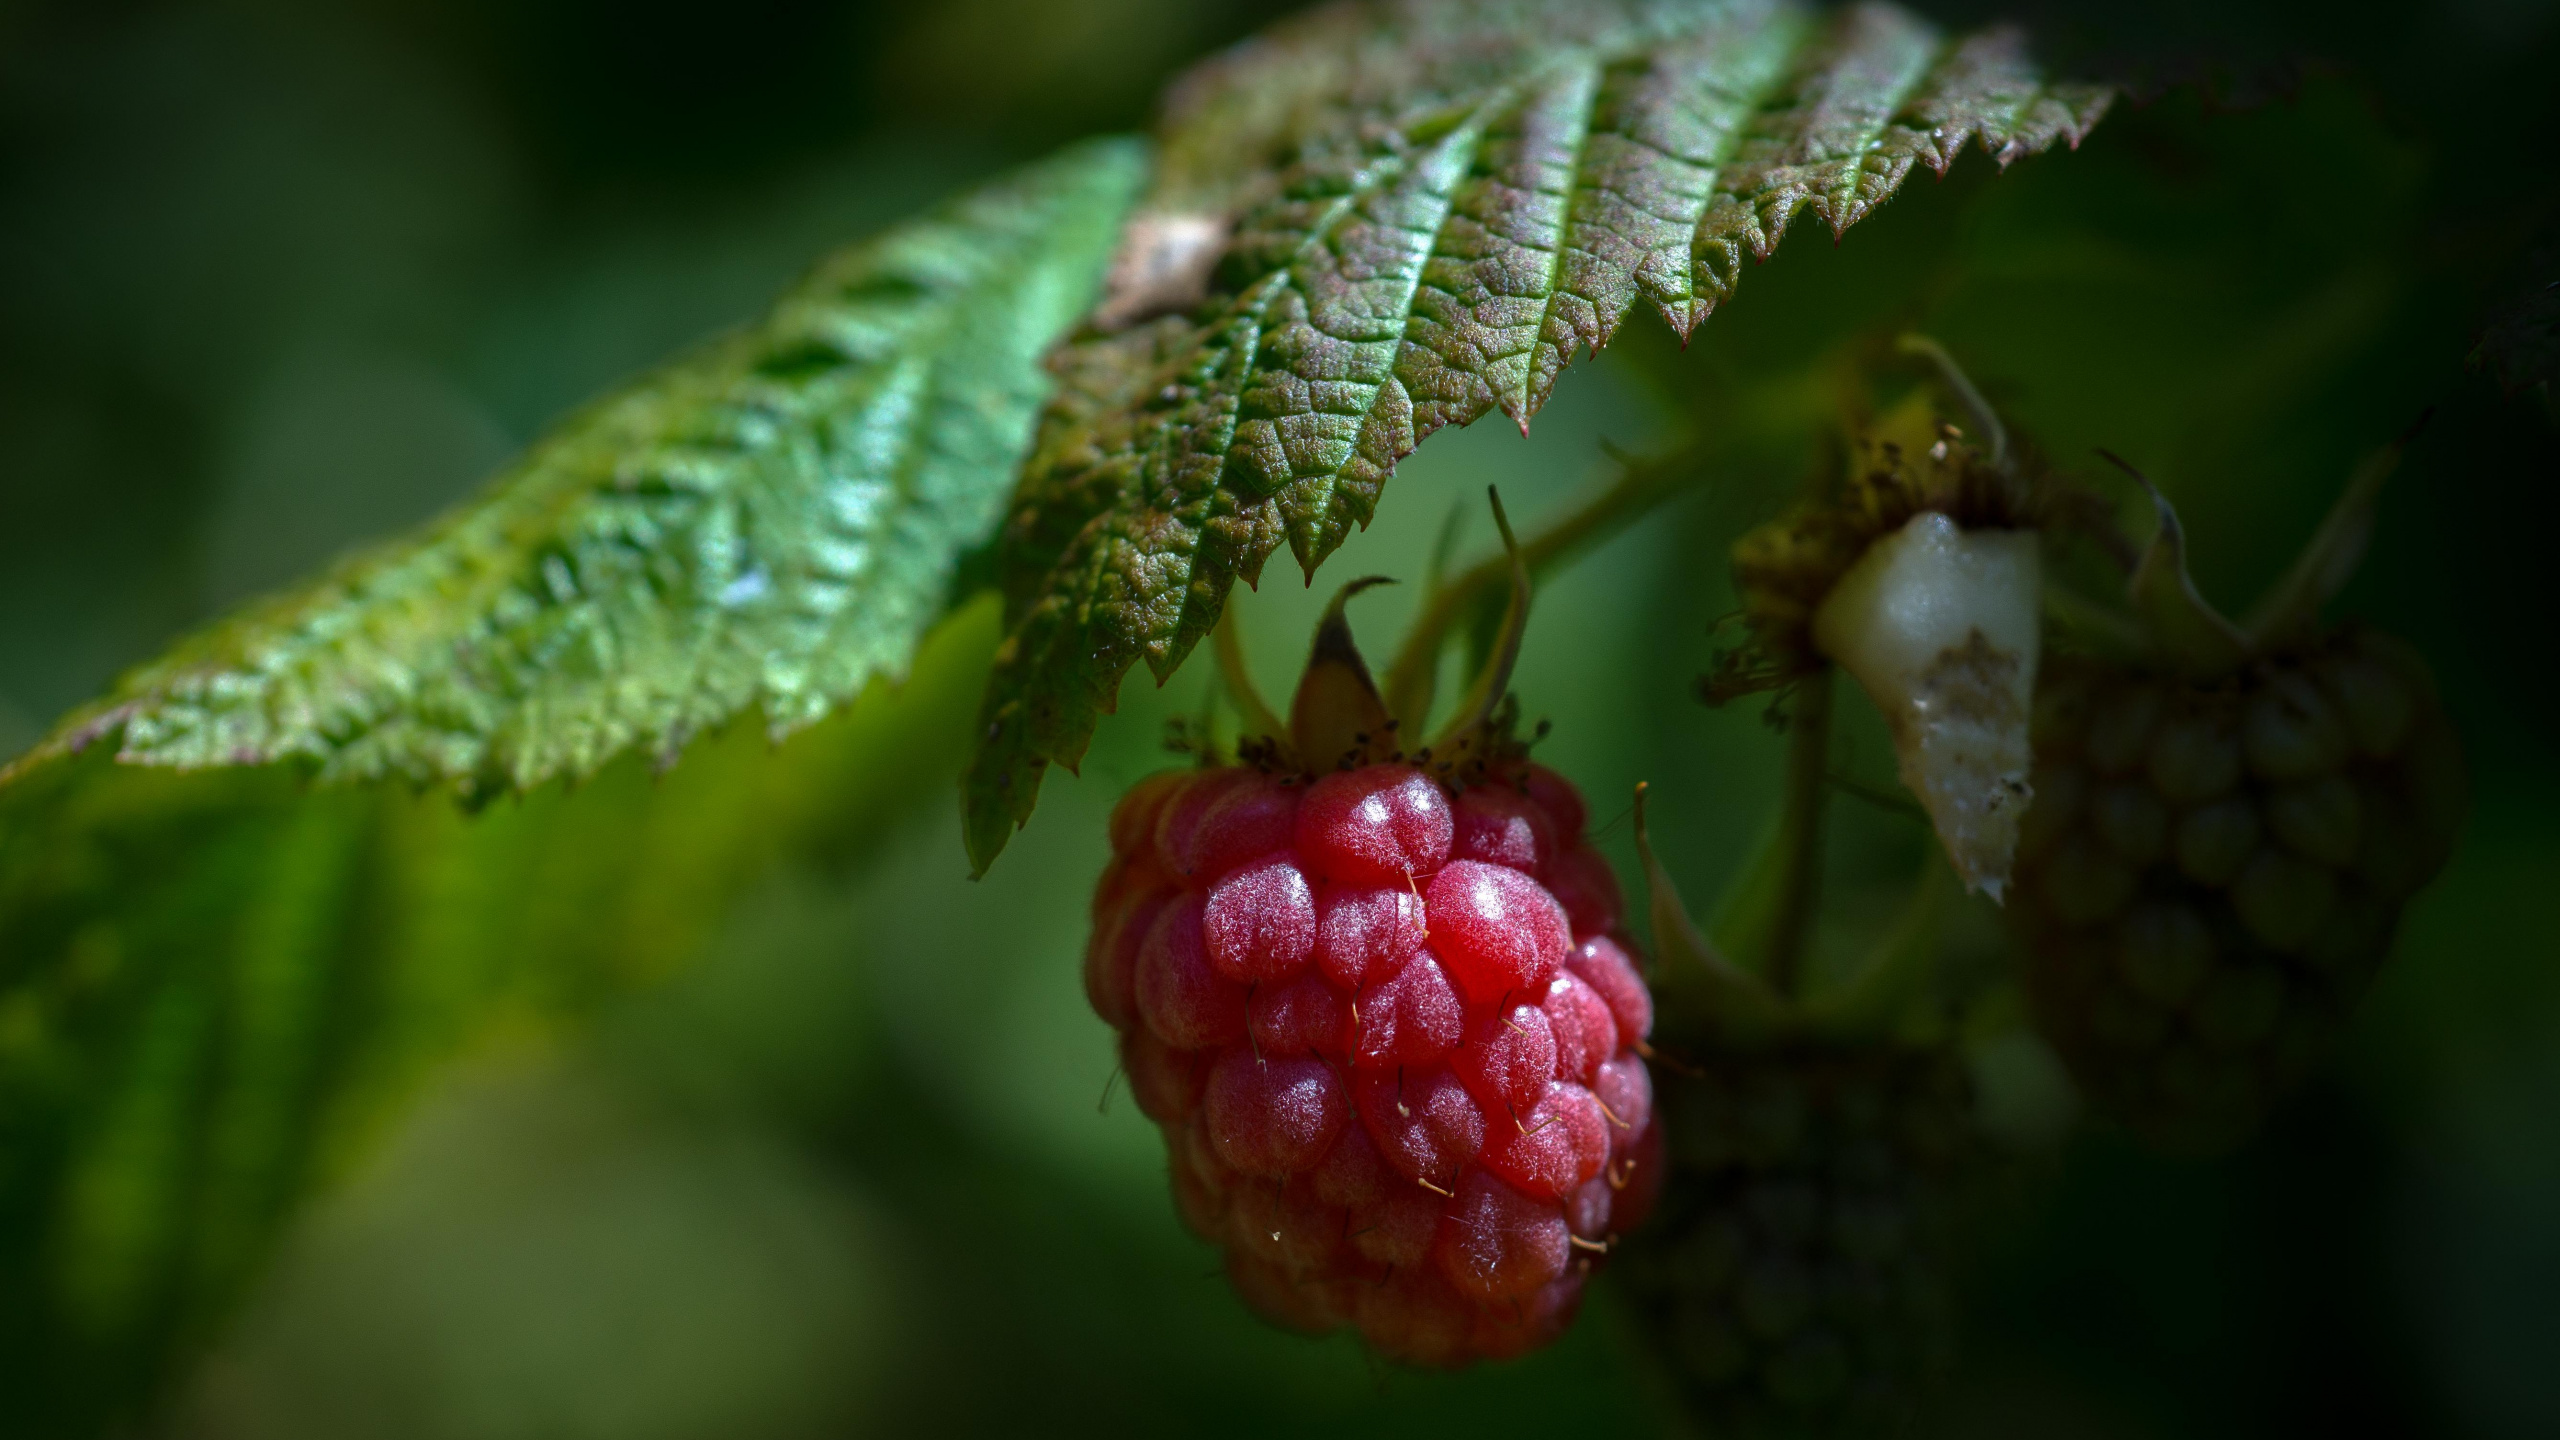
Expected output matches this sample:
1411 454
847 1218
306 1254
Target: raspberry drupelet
1388 1023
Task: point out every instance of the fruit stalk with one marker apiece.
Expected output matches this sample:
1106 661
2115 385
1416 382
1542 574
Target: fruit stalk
1410 677
1800 832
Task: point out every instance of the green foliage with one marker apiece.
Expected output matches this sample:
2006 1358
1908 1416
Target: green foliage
217 987
767 524
2104 301
1425 211
217 982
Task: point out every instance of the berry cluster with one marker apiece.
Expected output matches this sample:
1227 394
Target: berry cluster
1389 1032
1795 1282
2211 872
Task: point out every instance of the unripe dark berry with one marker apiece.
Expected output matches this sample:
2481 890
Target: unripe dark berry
1795 1281
2211 873
1396 1072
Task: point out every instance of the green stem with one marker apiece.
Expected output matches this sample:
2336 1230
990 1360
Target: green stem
1952 375
1256 713
1411 680
1495 677
1701 996
1800 831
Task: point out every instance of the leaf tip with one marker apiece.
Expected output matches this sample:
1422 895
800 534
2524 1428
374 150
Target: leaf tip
993 806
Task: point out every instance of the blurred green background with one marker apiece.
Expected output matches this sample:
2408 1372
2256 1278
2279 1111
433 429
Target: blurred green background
276 276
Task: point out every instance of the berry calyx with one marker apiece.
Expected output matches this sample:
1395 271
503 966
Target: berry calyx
1919 572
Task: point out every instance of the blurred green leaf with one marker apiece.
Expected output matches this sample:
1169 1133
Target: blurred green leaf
768 524
217 988
1418 214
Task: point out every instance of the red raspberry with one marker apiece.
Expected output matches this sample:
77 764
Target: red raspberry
1389 1032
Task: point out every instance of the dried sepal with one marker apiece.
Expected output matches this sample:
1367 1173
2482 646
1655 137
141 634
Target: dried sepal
1939 625
1908 463
2289 611
1336 718
2182 628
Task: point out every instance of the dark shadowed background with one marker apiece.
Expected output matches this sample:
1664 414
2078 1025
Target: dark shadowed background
277 276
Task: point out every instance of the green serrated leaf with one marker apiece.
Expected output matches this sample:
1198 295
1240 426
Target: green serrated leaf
768 524
218 987
1429 210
